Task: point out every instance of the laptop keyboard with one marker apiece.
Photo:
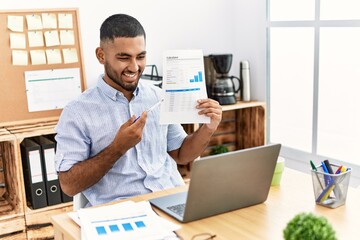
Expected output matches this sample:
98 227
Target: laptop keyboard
178 209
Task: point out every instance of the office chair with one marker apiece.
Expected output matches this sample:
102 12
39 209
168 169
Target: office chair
79 201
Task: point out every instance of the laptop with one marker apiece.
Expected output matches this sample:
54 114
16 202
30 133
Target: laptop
222 183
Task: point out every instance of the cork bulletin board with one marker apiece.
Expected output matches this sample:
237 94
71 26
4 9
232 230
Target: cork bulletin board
45 43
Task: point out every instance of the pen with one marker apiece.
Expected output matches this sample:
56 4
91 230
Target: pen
328 166
324 167
338 170
155 105
315 170
313 166
325 194
151 108
337 190
328 180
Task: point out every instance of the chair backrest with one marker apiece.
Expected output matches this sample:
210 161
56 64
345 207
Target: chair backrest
79 201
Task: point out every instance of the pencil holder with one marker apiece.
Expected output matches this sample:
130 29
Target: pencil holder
330 190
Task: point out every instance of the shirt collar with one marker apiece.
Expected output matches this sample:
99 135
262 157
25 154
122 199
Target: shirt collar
111 92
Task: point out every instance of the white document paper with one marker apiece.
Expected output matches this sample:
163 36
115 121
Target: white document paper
51 89
124 221
183 84
75 215
15 23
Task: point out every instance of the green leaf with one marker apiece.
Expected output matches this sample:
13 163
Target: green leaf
310 227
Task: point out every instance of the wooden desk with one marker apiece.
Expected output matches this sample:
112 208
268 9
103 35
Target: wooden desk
263 221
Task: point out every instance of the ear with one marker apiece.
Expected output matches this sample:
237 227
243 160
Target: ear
100 55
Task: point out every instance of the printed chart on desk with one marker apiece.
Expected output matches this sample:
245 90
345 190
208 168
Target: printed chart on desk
124 227
127 220
183 85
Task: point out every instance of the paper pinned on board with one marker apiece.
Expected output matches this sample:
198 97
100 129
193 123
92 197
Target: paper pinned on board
51 89
49 20
15 23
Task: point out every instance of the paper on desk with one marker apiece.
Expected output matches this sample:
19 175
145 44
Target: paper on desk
127 220
75 215
183 84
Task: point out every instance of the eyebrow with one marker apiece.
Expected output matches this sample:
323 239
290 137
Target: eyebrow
128 55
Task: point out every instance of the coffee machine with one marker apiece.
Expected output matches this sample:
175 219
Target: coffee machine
223 87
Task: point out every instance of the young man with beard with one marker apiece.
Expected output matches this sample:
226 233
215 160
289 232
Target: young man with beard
101 150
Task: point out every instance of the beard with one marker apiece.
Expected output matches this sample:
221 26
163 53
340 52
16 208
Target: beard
130 87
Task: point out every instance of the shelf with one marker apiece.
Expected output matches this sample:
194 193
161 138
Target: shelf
12 219
17 220
243 125
242 105
38 222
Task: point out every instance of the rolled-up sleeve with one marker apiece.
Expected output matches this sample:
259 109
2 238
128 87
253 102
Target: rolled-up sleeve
73 145
176 135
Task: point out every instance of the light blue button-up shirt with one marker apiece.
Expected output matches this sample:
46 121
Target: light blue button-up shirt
88 124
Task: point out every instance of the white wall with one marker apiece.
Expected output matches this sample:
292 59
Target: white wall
216 26
251 42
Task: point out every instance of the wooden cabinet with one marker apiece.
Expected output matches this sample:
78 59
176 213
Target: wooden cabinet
12 219
17 219
23 114
242 126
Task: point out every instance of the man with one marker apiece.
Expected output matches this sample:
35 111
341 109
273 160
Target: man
101 150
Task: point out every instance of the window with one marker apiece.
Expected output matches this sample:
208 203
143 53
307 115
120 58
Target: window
314 79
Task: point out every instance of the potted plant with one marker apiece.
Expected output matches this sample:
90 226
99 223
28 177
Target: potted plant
219 149
310 227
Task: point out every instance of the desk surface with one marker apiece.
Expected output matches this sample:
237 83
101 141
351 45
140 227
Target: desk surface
263 221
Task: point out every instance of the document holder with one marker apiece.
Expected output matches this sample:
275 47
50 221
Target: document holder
53 192
33 174
64 198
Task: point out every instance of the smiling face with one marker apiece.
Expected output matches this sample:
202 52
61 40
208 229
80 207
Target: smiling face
124 60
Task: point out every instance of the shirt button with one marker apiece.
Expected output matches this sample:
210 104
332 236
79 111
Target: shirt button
114 98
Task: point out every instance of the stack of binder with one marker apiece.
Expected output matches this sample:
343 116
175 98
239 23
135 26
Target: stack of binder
41 180
64 198
33 174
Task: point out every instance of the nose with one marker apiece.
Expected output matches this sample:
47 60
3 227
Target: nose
133 66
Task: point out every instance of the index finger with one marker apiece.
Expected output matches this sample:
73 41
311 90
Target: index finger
202 103
140 120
